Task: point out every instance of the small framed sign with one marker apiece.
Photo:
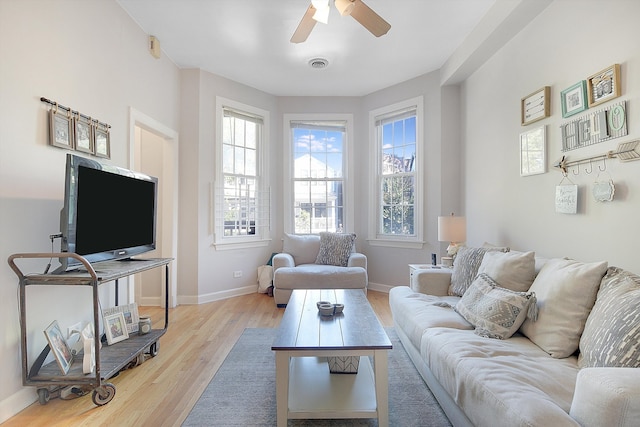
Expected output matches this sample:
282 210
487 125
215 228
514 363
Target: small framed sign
535 106
60 129
604 85
574 99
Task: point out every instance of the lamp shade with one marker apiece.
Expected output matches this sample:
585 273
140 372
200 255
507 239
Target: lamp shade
452 229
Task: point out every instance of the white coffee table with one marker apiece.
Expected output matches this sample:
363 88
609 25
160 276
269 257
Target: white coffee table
304 387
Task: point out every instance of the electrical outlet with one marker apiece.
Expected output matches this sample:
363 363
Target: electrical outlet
74 327
237 274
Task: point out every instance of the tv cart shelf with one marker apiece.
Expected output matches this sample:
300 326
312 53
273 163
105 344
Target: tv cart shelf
109 359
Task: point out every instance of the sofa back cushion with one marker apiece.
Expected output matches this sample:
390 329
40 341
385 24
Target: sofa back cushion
512 270
465 267
335 248
566 291
611 336
303 248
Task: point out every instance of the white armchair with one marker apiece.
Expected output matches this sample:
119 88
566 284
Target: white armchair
303 265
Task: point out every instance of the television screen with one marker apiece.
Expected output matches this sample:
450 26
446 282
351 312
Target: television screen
109 212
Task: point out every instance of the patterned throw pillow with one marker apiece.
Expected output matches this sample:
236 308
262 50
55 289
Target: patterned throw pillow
335 248
494 311
465 268
611 336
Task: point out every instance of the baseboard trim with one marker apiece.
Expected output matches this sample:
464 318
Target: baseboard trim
216 296
16 403
379 287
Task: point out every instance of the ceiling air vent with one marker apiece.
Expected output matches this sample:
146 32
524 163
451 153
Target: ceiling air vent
318 63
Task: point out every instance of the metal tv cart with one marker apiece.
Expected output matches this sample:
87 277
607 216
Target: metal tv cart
110 360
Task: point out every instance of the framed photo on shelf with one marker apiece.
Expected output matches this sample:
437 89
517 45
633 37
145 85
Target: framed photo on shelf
535 106
130 312
83 132
604 85
60 129
59 346
533 152
574 99
115 327
102 143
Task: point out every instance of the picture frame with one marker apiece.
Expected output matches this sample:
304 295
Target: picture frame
604 85
533 152
535 106
60 129
574 99
83 134
131 316
115 328
59 346
102 141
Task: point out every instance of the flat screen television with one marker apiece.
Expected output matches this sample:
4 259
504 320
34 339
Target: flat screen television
109 213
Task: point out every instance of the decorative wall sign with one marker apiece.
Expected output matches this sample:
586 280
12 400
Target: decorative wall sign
574 99
598 126
603 190
102 141
566 198
535 106
604 85
533 153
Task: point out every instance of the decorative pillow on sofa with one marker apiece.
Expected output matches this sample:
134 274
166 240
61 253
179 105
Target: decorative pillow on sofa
303 248
335 248
611 336
566 291
465 268
513 270
494 311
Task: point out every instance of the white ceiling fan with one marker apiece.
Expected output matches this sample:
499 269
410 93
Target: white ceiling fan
318 11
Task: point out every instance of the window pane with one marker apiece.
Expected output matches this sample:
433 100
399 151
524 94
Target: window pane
251 163
397 148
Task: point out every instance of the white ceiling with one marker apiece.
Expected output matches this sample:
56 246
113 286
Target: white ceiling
248 41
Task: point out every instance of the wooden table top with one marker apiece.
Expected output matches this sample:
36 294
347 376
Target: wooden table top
356 328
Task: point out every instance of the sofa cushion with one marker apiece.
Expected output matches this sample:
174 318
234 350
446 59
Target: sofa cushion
315 276
566 291
465 268
495 312
501 382
611 336
513 270
415 313
303 248
335 248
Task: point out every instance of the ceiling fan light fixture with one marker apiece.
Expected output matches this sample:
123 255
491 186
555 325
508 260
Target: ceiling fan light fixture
345 7
322 14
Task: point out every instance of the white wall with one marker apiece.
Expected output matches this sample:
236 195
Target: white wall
91 57
569 41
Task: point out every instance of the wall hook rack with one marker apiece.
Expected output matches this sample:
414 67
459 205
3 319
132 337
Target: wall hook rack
626 152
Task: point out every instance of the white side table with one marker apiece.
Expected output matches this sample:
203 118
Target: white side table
414 267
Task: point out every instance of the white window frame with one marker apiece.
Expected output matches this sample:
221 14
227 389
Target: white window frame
288 192
374 238
262 235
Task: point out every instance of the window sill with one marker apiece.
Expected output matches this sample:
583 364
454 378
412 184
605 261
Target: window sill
240 244
395 243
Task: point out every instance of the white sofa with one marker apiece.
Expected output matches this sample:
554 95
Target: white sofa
565 369
301 265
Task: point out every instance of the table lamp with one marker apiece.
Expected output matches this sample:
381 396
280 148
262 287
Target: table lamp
452 229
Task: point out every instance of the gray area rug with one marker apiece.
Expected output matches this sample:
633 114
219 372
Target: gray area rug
243 391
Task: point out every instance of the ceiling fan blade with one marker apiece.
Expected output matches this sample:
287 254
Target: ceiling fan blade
369 19
305 26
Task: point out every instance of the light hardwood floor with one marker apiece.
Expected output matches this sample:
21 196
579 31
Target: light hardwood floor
162 390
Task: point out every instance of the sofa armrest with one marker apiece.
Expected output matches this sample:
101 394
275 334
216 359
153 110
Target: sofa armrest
357 260
607 396
282 260
432 281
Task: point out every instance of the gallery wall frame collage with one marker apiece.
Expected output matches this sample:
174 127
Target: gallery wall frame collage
598 88
72 130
